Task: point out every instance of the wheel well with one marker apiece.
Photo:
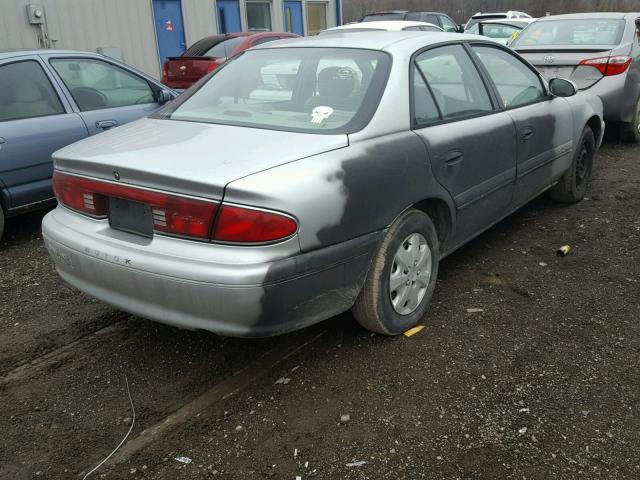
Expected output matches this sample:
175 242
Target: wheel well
439 212
595 125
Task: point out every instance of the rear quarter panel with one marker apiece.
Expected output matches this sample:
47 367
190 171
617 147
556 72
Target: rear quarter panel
346 193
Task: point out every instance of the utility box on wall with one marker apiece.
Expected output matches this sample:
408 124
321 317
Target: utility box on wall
35 14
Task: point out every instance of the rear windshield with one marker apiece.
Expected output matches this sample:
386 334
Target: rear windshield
213 47
316 90
572 32
473 21
375 17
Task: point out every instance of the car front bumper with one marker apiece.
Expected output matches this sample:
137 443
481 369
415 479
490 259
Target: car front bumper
227 290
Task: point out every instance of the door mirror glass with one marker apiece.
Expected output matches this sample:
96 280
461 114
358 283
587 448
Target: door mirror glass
560 87
164 96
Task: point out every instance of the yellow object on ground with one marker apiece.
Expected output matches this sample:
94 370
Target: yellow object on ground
413 331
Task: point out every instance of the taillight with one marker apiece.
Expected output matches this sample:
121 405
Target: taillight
172 214
212 66
177 215
609 66
246 225
164 72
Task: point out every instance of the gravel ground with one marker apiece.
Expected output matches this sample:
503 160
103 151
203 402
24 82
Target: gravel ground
543 382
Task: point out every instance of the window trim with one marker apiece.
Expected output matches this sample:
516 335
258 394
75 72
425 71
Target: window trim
154 88
495 106
53 87
547 95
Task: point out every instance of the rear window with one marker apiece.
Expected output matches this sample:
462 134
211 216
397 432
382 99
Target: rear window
378 17
315 90
350 30
474 20
572 32
213 47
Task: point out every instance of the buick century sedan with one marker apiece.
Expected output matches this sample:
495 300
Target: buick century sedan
311 176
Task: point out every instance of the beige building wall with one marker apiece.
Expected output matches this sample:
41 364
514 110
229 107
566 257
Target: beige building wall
125 24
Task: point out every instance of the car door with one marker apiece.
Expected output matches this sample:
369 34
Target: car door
470 142
544 123
105 94
35 121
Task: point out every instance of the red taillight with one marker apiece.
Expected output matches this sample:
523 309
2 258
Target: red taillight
176 214
212 66
165 68
609 66
246 225
172 214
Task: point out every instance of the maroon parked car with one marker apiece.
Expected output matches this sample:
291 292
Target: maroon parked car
209 53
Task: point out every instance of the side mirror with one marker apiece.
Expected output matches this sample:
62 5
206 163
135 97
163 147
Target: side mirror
164 96
560 87
460 28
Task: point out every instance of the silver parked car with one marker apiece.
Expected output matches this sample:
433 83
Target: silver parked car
307 177
599 52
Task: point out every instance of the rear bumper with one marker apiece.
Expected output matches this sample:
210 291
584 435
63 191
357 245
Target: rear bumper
221 292
619 96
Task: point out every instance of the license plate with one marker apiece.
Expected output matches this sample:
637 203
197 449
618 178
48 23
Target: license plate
130 216
555 72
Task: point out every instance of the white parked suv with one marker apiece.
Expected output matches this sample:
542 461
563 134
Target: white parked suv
478 17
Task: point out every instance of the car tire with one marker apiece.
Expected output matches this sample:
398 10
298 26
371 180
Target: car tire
402 276
630 132
1 221
572 186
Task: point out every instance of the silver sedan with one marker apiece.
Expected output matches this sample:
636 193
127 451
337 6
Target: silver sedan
313 176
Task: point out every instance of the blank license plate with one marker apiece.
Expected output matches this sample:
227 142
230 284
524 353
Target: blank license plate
130 216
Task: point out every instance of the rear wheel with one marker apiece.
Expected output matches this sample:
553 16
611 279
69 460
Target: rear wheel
572 186
630 132
1 222
402 276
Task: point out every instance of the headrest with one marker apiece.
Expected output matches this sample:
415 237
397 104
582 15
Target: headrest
336 82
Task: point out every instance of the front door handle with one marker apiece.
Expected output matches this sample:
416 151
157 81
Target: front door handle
526 133
106 124
453 158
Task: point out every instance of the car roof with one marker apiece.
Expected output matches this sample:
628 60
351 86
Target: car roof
508 21
389 25
19 52
367 40
593 15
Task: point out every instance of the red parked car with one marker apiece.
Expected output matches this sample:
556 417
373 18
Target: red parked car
209 53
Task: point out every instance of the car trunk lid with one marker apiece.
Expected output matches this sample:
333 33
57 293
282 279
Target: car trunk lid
182 72
188 157
566 62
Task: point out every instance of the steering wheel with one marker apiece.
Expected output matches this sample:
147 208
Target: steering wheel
89 98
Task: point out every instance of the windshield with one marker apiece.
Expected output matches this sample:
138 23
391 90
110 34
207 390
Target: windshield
498 30
317 90
375 17
572 32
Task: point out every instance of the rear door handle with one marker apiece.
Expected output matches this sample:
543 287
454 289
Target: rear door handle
526 133
105 124
453 158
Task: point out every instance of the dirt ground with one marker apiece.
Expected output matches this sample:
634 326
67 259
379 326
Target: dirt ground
543 383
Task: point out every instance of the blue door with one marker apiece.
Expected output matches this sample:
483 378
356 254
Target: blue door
169 28
229 16
293 17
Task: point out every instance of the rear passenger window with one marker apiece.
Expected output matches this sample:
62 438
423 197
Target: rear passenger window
425 110
456 84
516 83
26 92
